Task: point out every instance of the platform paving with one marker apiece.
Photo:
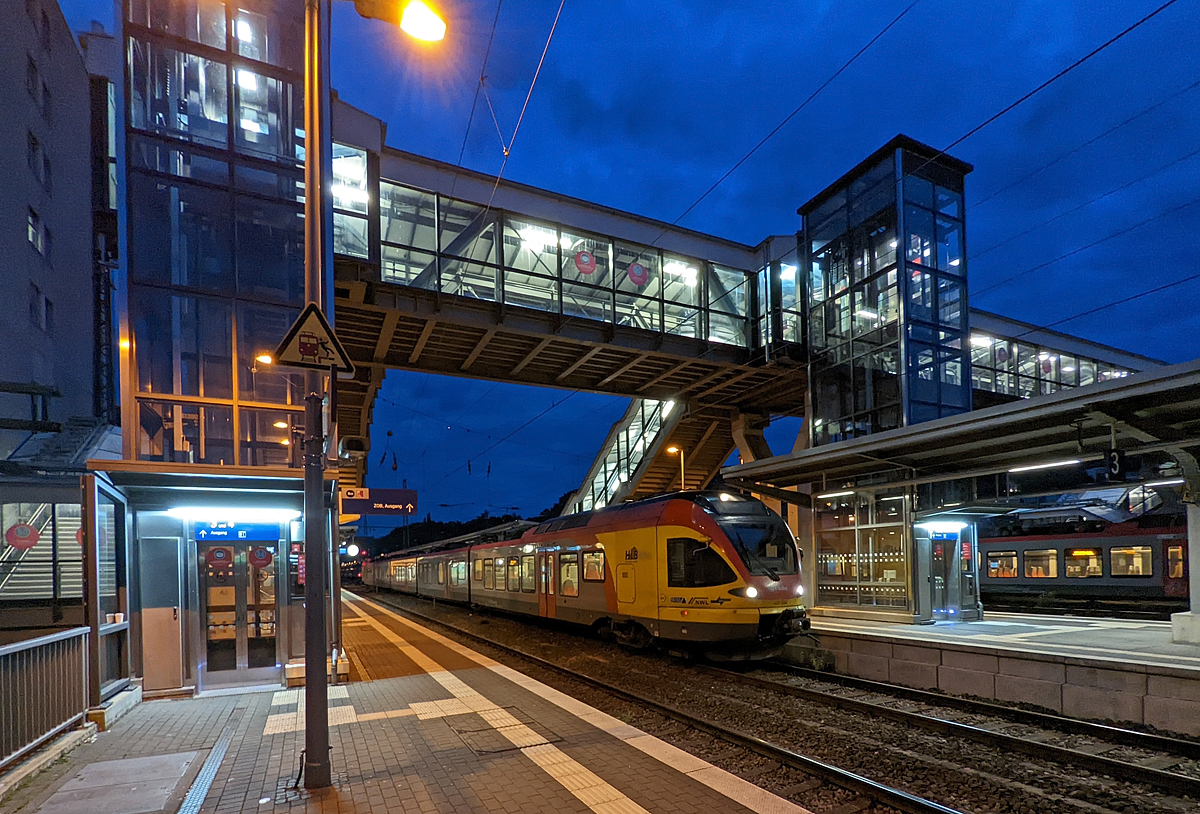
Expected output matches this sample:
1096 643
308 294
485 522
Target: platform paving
426 725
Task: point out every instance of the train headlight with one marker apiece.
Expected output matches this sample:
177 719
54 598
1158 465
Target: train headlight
748 592
751 592
799 590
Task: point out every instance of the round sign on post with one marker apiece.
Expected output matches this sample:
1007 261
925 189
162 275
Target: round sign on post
261 557
22 536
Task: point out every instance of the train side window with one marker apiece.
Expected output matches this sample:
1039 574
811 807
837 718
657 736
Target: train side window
1041 563
1175 561
593 566
693 564
1002 564
489 573
514 574
441 573
528 577
477 569
568 568
501 574
1083 562
1131 561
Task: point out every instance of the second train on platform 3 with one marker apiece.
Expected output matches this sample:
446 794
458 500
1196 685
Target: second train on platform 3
714 572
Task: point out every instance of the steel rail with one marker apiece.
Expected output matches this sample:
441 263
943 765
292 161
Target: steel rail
1117 769
1071 726
896 798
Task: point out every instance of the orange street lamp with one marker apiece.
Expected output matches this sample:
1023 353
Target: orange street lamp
679 451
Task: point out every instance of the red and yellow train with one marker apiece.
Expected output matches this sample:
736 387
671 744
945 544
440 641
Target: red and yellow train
712 572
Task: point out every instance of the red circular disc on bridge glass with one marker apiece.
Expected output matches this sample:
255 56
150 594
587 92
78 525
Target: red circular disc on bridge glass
79 536
217 556
261 557
22 536
585 261
638 274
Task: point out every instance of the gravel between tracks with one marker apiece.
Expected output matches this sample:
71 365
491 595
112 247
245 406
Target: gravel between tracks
957 774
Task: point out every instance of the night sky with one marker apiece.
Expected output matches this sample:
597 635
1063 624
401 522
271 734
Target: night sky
642 106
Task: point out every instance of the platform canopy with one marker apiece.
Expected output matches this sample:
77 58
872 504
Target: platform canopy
1155 411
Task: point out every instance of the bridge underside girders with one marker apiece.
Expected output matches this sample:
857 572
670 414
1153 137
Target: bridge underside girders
705 437
387 327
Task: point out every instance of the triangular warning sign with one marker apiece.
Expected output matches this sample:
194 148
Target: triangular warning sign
310 342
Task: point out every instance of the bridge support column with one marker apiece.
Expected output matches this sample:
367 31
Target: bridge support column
747 434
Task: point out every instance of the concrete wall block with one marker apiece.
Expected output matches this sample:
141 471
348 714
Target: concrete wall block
967 682
835 643
924 655
1173 687
841 662
978 662
1035 669
1107 705
921 675
1047 694
1172 714
870 647
1122 681
865 666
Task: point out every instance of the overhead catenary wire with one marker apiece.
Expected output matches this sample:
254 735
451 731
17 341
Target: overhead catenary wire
1124 122
1087 246
1074 209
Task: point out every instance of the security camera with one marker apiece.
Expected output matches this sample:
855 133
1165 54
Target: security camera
354 447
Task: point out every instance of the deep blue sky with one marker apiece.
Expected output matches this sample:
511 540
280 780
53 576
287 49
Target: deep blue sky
641 106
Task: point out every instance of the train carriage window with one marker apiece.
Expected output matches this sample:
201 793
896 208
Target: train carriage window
1131 561
1175 562
1002 564
441 573
528 577
501 574
568 568
693 564
458 573
1041 563
514 574
489 573
477 569
593 566
1083 562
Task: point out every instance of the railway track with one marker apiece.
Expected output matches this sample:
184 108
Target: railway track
866 788
953 750
880 700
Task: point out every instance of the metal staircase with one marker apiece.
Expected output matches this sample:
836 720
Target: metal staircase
29 574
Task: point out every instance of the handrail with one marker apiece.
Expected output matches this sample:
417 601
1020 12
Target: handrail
49 638
48 692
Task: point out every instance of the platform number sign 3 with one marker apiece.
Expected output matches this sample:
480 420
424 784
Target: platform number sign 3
1116 464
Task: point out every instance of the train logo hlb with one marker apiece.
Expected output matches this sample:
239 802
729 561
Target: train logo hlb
631 555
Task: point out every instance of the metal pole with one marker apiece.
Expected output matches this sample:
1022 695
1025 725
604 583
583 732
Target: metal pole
682 482
317 773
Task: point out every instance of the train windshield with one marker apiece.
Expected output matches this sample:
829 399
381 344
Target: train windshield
764 544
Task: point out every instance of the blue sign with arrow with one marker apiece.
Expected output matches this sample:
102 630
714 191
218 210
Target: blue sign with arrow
227 532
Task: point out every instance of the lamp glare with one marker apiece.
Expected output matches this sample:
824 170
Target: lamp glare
422 23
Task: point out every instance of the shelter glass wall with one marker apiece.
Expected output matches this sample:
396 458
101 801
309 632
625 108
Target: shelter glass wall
442 244
216 230
863 547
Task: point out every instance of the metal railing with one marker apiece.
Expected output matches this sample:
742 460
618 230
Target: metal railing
43 690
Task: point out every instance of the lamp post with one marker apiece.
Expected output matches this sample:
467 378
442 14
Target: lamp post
418 20
679 451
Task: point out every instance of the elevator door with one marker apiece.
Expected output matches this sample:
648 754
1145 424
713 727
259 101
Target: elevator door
239 613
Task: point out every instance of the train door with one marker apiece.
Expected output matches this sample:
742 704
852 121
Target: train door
1175 574
546 586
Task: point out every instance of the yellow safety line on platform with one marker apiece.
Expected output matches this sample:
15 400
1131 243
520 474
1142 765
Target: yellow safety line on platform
729 785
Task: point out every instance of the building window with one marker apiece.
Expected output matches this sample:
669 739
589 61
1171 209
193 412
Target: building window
31 78
45 31
41 310
46 112
34 155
